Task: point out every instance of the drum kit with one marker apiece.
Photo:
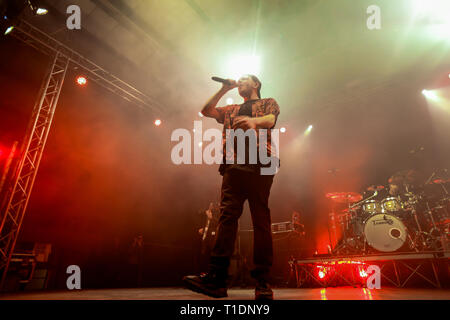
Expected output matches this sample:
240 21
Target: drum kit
407 214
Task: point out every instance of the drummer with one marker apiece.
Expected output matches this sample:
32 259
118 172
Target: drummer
403 182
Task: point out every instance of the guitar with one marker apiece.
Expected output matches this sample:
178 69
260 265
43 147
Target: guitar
209 215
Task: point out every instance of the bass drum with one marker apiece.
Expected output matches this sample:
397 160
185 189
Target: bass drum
385 232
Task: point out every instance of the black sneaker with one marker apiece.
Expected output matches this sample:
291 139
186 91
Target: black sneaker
206 283
263 291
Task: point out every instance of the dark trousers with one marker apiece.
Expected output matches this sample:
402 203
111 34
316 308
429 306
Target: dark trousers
238 186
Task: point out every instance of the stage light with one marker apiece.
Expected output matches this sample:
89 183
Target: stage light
435 10
282 129
157 122
362 273
243 64
8 30
41 11
430 94
200 114
229 100
308 130
434 16
321 274
81 80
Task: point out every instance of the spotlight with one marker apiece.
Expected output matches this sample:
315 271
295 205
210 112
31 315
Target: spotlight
81 80
308 130
322 272
362 273
36 7
8 30
11 11
430 94
243 64
157 122
41 11
282 129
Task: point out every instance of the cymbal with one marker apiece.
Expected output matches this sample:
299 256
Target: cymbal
439 181
375 188
344 197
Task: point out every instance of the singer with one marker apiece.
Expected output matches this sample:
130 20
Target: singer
241 182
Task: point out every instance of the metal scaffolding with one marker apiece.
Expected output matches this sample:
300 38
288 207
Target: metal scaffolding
50 46
32 150
38 129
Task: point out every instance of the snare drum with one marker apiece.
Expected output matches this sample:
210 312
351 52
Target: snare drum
391 204
371 207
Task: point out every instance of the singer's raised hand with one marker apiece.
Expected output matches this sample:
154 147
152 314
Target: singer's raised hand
229 85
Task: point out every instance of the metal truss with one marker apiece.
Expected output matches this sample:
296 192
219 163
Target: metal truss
43 42
413 266
32 150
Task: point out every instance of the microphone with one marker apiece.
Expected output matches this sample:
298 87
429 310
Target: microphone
220 80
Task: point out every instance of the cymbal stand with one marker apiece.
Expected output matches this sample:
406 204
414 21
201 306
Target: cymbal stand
430 214
419 234
332 225
345 246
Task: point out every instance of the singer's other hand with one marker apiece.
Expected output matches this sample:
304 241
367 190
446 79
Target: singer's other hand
244 123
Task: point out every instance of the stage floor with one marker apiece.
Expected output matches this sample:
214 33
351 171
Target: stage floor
339 293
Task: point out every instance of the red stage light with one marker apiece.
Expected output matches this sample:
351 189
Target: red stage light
157 122
362 273
321 274
81 81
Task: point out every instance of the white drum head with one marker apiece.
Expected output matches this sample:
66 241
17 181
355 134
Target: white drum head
384 232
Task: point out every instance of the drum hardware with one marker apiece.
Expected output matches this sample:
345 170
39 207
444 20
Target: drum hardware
344 197
371 207
363 200
347 243
430 214
421 222
420 237
392 204
385 232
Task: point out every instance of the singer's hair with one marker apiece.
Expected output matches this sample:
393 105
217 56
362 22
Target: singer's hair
255 79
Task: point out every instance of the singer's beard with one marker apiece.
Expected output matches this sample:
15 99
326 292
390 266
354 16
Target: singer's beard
246 94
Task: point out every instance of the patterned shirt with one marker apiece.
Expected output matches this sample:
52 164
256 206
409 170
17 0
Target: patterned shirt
260 108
